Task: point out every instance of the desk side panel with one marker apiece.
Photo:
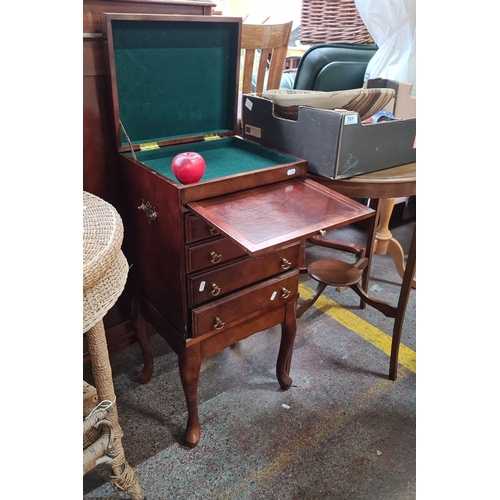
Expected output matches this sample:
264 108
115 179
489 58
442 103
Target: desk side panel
157 246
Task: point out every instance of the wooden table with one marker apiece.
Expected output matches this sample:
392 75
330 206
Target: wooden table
384 186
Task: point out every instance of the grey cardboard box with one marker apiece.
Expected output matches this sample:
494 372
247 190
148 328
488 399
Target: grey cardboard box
335 143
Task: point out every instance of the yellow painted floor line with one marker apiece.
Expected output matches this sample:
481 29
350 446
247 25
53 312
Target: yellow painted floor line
407 356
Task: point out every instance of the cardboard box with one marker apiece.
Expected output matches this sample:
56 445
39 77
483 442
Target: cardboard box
335 143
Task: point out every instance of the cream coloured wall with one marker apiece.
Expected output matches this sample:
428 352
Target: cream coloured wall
277 10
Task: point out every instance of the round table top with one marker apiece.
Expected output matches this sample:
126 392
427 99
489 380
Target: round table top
395 182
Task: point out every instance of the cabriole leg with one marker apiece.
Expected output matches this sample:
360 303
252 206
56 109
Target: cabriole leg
288 330
189 369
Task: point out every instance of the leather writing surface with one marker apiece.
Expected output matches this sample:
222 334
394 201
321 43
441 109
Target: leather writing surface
269 216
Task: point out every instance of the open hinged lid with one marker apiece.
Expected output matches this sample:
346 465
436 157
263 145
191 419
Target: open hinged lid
173 78
267 217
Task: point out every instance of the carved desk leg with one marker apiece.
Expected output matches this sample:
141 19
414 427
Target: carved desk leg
189 369
288 330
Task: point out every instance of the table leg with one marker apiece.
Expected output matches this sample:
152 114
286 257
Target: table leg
401 307
302 256
385 242
365 264
189 368
383 235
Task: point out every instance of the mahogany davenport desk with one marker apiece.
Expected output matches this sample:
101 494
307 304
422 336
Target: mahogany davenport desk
216 261
211 271
101 170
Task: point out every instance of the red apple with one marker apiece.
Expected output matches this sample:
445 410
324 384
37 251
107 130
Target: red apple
188 167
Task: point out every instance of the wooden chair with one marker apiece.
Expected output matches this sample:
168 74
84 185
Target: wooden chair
272 41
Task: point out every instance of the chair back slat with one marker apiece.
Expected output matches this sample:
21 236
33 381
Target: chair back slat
269 39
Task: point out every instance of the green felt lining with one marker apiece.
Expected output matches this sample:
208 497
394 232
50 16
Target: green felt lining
223 157
175 78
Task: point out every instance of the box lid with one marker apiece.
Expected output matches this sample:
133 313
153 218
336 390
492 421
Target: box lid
265 218
174 78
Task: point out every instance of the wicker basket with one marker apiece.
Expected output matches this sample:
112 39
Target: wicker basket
332 21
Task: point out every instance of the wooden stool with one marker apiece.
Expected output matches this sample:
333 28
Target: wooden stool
105 271
330 272
341 274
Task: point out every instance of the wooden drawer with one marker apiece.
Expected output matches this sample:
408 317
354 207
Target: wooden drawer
197 229
249 302
211 254
222 281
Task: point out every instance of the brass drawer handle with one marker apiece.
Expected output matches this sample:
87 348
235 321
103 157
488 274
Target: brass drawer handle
215 290
216 258
218 324
214 231
285 293
150 211
285 264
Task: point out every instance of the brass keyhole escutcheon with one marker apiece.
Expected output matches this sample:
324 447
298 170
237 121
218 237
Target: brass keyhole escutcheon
285 264
215 290
215 257
285 293
214 231
218 323
149 210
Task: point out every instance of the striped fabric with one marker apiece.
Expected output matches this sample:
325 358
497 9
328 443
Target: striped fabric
366 102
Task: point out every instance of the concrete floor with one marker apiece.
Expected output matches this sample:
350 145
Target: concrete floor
343 431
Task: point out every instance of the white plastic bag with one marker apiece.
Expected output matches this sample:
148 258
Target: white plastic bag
392 25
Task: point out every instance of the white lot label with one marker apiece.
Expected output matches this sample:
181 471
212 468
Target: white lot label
273 296
351 119
290 172
202 286
249 104
255 131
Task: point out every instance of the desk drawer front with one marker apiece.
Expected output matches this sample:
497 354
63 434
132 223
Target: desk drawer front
211 254
197 229
220 282
236 308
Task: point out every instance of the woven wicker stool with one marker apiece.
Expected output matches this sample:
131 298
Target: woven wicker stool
105 271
